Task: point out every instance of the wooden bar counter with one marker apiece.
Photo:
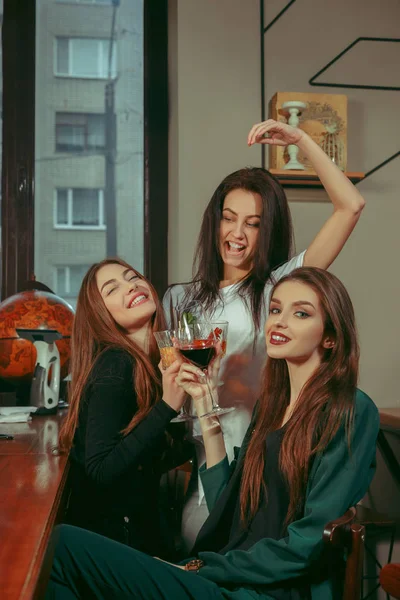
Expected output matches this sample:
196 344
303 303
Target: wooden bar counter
33 491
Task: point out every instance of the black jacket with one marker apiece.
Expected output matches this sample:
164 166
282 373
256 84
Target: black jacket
115 479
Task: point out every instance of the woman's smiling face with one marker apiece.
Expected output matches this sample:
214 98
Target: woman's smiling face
295 328
126 296
239 230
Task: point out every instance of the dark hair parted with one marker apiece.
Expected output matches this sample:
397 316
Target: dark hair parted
273 247
94 330
324 405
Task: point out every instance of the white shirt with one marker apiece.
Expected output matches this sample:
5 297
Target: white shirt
242 366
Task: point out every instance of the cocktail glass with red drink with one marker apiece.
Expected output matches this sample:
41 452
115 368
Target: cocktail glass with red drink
198 344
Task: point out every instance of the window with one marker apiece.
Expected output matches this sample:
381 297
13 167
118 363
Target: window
104 2
131 169
85 57
68 279
79 132
80 208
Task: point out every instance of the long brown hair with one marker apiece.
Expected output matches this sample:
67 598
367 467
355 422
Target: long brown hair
274 243
94 330
325 403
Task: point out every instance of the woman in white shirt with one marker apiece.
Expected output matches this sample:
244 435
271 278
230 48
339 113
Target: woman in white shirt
244 247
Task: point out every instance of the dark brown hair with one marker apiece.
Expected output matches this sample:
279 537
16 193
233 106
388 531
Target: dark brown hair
273 247
94 330
324 404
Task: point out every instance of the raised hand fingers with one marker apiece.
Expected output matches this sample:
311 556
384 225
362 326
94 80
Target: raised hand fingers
258 130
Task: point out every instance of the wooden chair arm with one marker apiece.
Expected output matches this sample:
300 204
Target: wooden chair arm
336 532
344 534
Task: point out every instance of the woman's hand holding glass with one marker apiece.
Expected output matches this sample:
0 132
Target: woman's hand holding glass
173 393
165 341
193 382
200 343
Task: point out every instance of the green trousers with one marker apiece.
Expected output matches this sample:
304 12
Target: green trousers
89 566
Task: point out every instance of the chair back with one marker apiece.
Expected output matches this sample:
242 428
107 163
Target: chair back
343 533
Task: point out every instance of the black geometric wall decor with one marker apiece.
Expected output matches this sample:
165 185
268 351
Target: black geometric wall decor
355 86
358 86
382 164
279 15
312 82
263 30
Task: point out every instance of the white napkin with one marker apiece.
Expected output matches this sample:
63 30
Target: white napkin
16 414
15 418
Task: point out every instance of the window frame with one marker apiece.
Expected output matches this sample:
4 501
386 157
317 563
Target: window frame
17 204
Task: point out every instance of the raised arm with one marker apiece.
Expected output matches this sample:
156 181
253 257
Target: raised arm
346 199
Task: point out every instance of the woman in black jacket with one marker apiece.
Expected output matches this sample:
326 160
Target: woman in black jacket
119 410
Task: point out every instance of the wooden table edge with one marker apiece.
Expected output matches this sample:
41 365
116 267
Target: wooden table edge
39 570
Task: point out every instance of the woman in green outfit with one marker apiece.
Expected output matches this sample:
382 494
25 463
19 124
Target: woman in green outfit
309 455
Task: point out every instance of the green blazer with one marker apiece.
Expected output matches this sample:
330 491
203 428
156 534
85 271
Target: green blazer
338 480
